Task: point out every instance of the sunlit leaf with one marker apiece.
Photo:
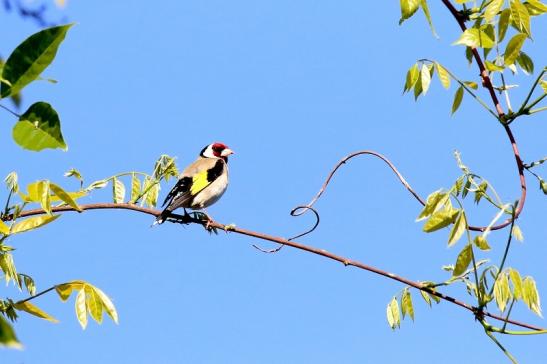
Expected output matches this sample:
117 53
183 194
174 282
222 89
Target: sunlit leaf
408 8
393 316
118 190
97 185
65 290
30 58
458 97
7 335
463 260
439 220
64 196
517 283
76 174
460 225
411 77
526 63
443 75
434 200
502 293
492 9
81 308
426 298
12 182
517 233
34 310
406 304
4 229
537 5
425 77
135 188
94 304
492 67
530 295
474 37
107 305
481 242
520 16
425 8
31 223
39 128
512 50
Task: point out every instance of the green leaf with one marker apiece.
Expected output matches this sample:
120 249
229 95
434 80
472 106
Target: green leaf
463 260
492 67
32 223
543 186
480 192
393 316
11 182
502 293
107 304
8 267
440 219
471 84
434 200
492 9
460 225
443 75
39 128
4 229
151 196
64 196
543 85
93 303
29 284
30 58
481 242
526 63
408 8
474 37
406 304
426 297
517 283
458 97
530 295
33 310
425 77
512 50
425 8
7 335
81 308
517 233
520 16
537 5
97 185
411 77
39 192
64 290
418 88
118 190
135 188
503 24
76 174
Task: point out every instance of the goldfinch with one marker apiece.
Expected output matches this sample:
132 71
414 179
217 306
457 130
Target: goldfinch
201 184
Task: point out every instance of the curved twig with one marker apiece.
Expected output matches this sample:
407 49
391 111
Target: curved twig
283 241
487 83
301 210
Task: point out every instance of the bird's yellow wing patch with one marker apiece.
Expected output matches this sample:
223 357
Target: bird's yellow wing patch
199 182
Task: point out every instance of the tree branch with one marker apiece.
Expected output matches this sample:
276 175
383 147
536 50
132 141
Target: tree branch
310 249
487 83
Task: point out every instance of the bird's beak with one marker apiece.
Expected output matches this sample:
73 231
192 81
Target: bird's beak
226 152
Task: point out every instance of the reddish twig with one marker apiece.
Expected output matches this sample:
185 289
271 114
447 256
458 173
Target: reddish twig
487 83
293 244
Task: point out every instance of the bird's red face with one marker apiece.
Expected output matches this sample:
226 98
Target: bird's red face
218 150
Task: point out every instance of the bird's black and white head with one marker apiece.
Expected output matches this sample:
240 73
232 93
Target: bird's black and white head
216 150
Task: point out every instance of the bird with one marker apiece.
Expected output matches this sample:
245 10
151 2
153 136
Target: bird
201 184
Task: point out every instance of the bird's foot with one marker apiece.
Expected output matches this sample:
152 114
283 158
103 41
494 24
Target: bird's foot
206 220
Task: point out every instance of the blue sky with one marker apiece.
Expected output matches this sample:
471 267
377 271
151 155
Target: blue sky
292 87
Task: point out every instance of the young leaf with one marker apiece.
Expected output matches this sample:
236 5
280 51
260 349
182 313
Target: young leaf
107 304
425 9
97 185
393 317
458 97
440 219
530 295
151 197
81 308
7 335
520 16
434 200
443 75
474 37
30 58
76 174
517 283
93 303
33 310
406 304
425 77
512 50
4 229
502 293
65 290
135 188
492 67
408 8
11 182
64 196
39 128
481 242
426 298
411 77
538 6
29 284
460 225
517 233
463 261
526 63
492 10
503 24
32 223
118 190
8 267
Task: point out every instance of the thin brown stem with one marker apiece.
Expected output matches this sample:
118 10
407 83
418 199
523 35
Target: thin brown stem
283 241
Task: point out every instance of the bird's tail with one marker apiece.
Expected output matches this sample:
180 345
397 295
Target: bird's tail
161 217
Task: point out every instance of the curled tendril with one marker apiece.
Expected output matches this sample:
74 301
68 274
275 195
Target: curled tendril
301 210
